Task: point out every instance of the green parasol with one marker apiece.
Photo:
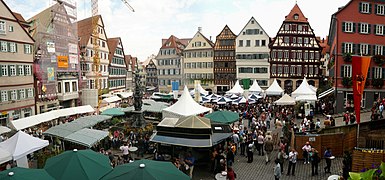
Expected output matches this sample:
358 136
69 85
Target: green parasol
146 170
113 112
226 117
19 173
82 164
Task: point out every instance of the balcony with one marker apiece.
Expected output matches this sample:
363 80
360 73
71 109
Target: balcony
68 96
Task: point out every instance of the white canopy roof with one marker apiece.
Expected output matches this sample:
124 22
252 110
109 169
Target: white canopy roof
112 99
285 100
125 94
168 122
4 129
185 106
4 156
274 89
200 90
255 88
49 116
237 89
240 100
304 90
22 144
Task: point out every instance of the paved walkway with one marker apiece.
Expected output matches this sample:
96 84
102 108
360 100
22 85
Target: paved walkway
259 170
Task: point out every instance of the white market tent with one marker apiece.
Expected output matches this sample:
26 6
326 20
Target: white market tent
304 92
222 100
185 106
4 129
22 144
241 100
4 156
237 89
285 100
255 88
124 94
49 116
200 90
111 99
274 89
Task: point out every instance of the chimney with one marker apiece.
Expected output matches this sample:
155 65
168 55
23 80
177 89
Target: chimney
210 38
200 29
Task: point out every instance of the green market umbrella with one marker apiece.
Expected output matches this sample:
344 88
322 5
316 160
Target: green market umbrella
113 112
146 170
78 164
226 117
19 173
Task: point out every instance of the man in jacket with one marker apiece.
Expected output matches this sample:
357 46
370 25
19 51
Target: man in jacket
269 146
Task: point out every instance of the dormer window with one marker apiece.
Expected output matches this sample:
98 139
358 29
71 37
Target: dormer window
296 16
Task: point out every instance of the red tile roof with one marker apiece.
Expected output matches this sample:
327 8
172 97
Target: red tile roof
175 43
296 11
85 30
19 17
112 43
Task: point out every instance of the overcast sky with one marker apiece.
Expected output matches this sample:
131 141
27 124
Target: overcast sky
141 31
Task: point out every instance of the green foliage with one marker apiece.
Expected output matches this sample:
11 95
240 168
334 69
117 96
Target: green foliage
382 168
116 120
347 81
376 172
379 59
378 82
123 105
355 176
347 57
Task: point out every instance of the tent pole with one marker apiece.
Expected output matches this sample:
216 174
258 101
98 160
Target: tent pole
358 133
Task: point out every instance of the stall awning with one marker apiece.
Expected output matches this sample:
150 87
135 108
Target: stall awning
112 99
86 137
181 141
219 137
124 94
325 93
49 116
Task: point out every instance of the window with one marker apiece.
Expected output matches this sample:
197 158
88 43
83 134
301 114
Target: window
299 70
2 27
364 49
22 93
263 43
377 72
379 29
299 40
364 28
240 43
348 27
59 87
286 54
378 50
20 70
4 46
346 71
286 39
4 96
13 95
365 7
66 87
256 42
209 65
30 93
380 10
12 47
306 40
262 82
74 86
247 43
27 49
12 70
4 70
348 48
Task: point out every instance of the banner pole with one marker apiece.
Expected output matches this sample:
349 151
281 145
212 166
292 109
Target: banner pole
358 133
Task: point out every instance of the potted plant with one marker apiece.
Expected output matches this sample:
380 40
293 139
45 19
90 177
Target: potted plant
379 59
347 81
347 57
377 82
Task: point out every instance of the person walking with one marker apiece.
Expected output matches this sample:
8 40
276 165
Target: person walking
125 151
306 149
277 170
327 156
269 147
250 151
260 141
292 162
190 161
314 159
281 157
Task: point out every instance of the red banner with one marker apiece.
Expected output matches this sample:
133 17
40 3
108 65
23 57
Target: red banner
360 66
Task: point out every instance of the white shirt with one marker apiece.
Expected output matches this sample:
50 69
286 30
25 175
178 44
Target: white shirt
124 149
293 156
306 148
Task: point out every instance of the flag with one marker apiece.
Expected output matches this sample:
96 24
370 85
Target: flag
360 66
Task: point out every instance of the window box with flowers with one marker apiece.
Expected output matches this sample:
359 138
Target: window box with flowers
347 81
377 82
347 57
379 59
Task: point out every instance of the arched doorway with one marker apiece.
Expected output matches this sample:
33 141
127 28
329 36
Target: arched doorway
298 83
279 82
288 86
311 82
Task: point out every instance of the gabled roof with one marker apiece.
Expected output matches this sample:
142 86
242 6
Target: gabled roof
112 44
85 29
296 11
9 10
256 22
199 34
226 33
127 59
175 43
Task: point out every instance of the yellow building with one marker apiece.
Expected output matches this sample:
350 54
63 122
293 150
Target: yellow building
198 62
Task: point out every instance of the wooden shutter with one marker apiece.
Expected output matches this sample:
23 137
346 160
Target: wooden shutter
360 7
375 9
343 26
18 94
368 76
342 71
373 72
16 47
370 49
369 28
370 8
354 27
383 73
354 49
9 95
8 47
359 27
374 28
343 48
383 50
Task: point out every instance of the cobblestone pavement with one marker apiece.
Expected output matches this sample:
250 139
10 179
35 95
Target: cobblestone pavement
258 170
